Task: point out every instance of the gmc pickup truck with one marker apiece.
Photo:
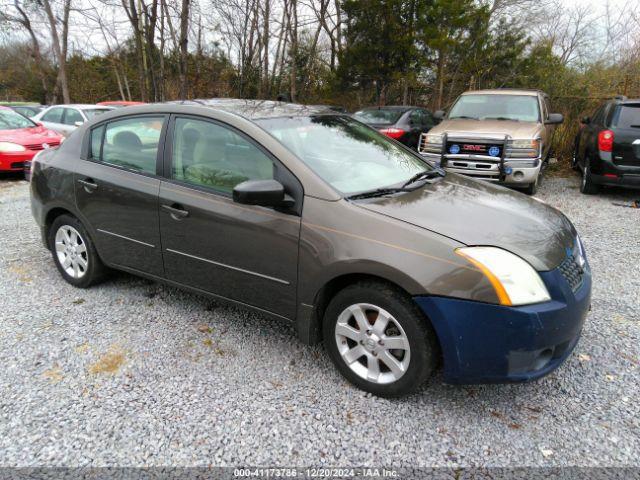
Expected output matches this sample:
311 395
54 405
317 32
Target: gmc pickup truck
502 136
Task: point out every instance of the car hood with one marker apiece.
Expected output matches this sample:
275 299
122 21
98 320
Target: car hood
474 212
487 127
29 136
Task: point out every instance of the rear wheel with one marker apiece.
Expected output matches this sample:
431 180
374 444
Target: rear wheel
379 339
73 252
587 186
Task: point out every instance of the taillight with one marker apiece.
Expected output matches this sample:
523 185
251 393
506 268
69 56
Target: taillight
605 141
392 132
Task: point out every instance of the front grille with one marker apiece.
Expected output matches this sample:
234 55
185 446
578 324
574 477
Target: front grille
572 272
38 146
16 165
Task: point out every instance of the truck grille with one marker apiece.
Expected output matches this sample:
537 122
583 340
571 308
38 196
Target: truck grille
572 272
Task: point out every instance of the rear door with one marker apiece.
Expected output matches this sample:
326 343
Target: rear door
117 188
625 124
71 119
242 252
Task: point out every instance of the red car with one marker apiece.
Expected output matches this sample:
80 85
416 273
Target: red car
21 139
119 103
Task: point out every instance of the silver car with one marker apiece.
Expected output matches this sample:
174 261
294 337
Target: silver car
66 118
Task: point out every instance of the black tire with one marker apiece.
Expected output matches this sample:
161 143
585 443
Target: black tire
95 270
574 158
587 186
532 188
423 345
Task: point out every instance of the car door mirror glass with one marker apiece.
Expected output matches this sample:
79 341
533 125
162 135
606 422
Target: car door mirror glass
77 123
267 193
555 119
438 114
585 120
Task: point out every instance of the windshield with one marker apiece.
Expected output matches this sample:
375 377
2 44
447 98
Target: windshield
626 116
382 117
92 113
348 155
523 108
10 120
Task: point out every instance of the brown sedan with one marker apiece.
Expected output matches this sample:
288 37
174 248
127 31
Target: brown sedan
315 218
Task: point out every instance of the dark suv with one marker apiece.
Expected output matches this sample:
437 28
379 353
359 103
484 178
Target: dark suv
607 147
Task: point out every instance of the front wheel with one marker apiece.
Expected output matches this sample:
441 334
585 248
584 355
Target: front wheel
532 188
379 339
74 253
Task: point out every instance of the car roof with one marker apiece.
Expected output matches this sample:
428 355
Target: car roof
82 106
398 108
504 91
255 109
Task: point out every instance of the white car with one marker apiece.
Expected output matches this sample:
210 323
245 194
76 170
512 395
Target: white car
66 118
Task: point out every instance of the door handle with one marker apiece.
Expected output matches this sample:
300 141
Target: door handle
176 212
88 184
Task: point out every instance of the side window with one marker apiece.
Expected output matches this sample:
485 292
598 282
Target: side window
54 115
427 119
415 118
545 108
598 117
210 155
132 143
71 116
96 142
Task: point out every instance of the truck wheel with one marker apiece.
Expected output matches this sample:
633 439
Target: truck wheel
532 188
587 186
379 339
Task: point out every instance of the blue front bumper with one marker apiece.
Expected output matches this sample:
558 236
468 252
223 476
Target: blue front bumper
485 343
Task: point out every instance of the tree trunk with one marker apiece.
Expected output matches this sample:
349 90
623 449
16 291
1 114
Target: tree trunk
184 40
60 46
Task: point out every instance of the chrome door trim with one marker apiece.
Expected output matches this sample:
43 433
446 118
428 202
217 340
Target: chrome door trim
126 238
224 265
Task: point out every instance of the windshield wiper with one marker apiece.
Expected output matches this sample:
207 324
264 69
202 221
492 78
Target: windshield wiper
424 175
379 192
465 117
502 118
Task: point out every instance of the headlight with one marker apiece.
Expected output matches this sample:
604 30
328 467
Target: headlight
523 148
433 138
514 280
6 147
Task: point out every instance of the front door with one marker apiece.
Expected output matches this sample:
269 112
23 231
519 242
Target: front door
117 191
245 253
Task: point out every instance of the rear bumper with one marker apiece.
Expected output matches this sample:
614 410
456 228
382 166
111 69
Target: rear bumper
605 172
485 343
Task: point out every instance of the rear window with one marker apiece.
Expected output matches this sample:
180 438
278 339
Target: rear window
387 117
626 116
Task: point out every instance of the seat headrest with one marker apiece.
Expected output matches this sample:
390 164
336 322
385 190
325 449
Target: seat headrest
128 140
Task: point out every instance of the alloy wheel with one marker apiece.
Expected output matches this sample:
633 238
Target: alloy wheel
372 343
71 251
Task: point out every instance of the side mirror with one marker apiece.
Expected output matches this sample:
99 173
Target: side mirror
555 119
585 120
78 124
267 193
438 115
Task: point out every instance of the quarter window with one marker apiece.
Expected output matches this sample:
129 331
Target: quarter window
131 143
54 115
96 142
210 155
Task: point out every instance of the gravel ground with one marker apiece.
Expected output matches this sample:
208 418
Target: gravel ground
131 373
